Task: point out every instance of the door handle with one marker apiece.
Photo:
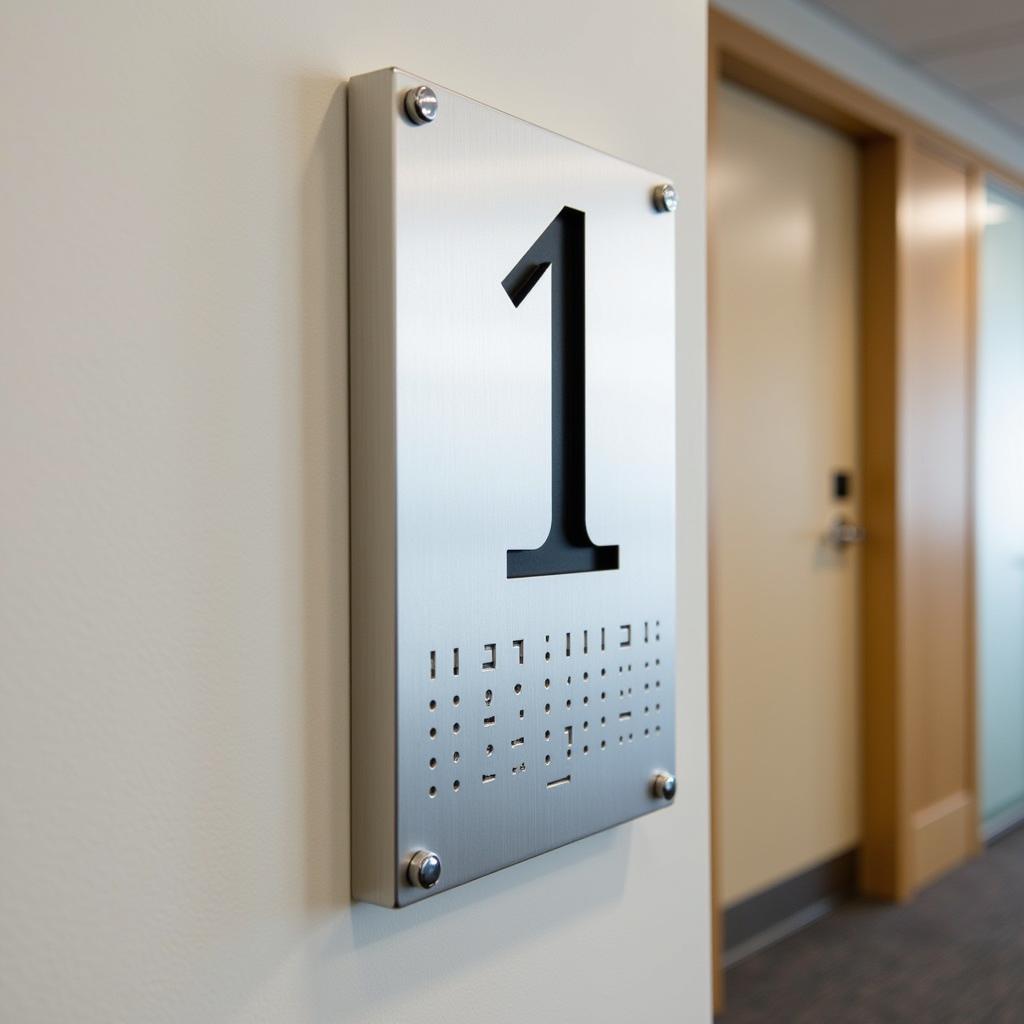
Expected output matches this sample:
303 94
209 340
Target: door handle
844 532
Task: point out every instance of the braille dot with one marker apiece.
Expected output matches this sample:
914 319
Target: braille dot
433 762
455 785
432 792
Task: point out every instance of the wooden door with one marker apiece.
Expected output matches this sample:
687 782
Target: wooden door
785 467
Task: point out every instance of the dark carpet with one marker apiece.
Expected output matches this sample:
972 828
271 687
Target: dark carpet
954 955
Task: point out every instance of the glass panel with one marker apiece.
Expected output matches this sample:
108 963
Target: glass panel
1000 507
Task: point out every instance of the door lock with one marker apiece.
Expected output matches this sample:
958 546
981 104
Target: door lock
843 532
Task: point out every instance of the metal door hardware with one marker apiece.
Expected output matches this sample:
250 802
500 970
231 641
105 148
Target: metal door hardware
843 533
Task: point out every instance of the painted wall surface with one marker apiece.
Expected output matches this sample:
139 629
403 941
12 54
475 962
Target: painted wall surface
173 529
999 508
833 44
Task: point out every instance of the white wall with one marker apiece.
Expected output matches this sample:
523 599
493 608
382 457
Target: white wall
173 604
834 45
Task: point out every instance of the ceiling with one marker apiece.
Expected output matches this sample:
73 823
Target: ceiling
975 47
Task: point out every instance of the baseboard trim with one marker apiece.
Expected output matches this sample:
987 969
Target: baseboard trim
942 836
1002 824
777 912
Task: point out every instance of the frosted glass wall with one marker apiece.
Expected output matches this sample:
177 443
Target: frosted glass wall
1000 510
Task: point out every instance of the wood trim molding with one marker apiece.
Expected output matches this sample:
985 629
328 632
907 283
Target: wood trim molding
943 836
937 269
882 806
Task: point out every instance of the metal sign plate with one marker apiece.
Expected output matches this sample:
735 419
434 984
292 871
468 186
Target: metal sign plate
513 477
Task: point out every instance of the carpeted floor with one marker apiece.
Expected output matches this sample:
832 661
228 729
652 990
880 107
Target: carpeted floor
955 955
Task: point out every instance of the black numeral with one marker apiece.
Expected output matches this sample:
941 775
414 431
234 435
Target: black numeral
568 547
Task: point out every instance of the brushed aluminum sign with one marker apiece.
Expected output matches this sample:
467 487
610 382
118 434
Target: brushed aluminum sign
513 478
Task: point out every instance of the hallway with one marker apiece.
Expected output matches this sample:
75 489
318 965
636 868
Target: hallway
955 954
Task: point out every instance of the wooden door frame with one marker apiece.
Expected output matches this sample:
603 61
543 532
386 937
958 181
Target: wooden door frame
886 138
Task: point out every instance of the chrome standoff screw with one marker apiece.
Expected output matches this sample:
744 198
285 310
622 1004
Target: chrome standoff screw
424 869
664 785
421 104
665 198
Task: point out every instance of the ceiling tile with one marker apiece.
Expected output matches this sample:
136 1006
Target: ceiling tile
974 47
975 70
912 24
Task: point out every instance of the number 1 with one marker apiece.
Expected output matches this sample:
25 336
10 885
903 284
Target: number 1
568 547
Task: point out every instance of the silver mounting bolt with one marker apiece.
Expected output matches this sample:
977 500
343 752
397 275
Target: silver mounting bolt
421 104
424 869
665 198
664 785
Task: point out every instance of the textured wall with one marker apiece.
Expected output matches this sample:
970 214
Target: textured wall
173 589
